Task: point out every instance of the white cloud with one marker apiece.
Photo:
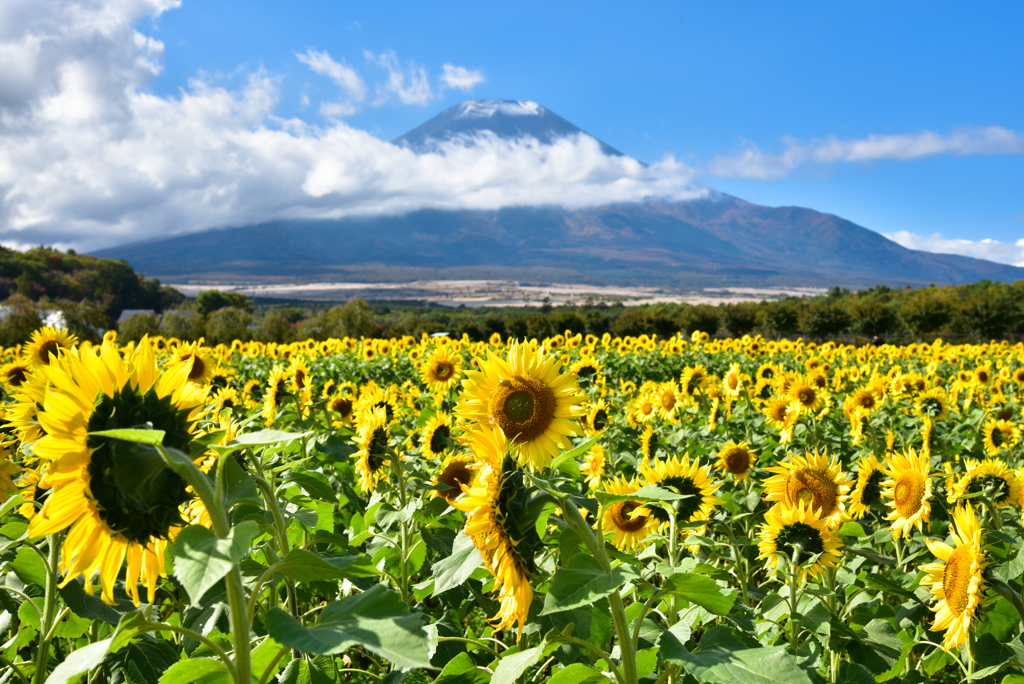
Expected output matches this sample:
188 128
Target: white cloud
754 163
411 86
90 159
992 250
342 75
461 77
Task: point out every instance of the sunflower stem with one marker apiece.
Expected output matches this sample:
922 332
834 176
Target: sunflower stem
794 601
49 608
240 627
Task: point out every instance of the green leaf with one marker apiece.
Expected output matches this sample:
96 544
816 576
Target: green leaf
305 566
71 627
723 659
263 438
453 570
377 619
462 670
238 484
575 453
29 567
510 667
314 484
852 529
578 673
150 437
206 670
201 559
263 658
93 607
80 662
700 590
573 587
299 671
648 493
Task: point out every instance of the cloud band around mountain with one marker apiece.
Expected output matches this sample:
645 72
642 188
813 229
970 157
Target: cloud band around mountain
1011 253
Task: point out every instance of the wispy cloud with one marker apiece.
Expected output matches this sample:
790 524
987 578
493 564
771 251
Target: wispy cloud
410 85
992 250
461 77
92 157
752 162
343 76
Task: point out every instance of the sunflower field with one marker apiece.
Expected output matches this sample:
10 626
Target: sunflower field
573 509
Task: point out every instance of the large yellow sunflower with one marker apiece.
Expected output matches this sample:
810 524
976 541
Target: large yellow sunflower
46 343
736 459
690 479
276 387
372 459
441 369
999 435
991 475
870 476
94 491
507 547
198 359
437 435
528 398
932 404
629 521
339 408
597 418
455 473
593 470
805 396
814 480
787 529
15 373
957 582
908 491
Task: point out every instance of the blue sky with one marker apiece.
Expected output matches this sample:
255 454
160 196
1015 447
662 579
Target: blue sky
907 118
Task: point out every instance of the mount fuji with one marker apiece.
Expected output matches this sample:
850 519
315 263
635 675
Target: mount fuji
715 241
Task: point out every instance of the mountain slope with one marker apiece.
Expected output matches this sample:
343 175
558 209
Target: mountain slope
713 242
507 119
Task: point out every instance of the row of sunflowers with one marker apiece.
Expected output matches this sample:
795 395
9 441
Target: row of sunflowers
573 509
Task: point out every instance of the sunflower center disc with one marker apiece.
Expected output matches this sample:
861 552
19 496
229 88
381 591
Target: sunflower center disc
997 437
441 439
956 579
342 407
523 407
198 368
909 493
600 419
442 371
737 460
931 407
814 487
620 514
801 536
455 475
992 483
872 488
47 348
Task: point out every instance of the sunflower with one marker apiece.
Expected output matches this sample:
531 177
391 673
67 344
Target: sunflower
870 475
690 479
766 372
736 459
48 342
957 582
226 398
991 476
437 435
441 370
999 435
455 473
982 375
805 396
594 468
692 380
645 408
629 521
506 546
865 399
782 417
932 404
15 373
908 490
588 372
374 397
651 442
298 376
276 386
812 479
198 360
95 492
1018 376
372 458
7 484
597 418
732 384
528 398
667 395
788 529
29 489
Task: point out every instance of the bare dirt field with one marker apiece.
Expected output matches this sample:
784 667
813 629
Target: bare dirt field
477 293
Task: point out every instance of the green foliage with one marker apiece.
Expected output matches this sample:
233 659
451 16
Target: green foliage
138 325
225 325
208 301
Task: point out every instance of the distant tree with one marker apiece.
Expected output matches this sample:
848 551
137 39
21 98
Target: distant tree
135 327
740 319
85 319
353 319
24 319
927 311
825 320
702 317
208 301
224 326
781 317
518 328
274 327
185 324
872 316
990 312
